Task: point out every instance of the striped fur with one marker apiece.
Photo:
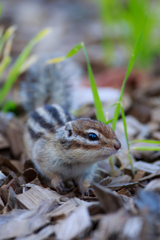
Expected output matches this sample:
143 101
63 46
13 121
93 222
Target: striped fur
47 118
61 148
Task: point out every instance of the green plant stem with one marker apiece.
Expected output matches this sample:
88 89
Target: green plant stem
98 105
129 68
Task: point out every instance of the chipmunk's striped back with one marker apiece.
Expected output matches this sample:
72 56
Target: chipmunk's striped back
45 119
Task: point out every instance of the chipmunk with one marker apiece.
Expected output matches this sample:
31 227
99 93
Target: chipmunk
63 148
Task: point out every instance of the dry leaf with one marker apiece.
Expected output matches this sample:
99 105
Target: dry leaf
64 210
21 223
153 185
35 196
76 223
110 201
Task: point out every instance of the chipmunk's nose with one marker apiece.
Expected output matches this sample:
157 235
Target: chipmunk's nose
117 144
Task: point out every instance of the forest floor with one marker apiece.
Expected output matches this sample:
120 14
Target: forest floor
118 205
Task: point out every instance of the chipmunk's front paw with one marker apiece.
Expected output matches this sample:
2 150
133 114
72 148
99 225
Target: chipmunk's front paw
58 185
60 188
89 192
84 186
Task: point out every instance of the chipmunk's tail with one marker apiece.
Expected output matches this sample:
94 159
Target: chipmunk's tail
42 84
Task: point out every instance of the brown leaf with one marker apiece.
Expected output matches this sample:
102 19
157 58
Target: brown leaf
31 176
64 210
125 192
3 142
20 223
35 196
4 195
42 234
11 202
75 224
151 176
109 200
138 175
18 164
14 134
105 181
1 204
13 181
4 162
118 182
111 225
153 185
116 185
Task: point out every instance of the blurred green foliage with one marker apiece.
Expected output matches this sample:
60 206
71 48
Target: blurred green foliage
122 21
6 38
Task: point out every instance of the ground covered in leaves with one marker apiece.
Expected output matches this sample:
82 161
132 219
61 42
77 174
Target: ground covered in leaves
120 207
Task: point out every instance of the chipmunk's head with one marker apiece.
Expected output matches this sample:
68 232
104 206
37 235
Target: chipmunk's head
89 141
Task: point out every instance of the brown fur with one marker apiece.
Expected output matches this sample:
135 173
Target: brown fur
86 123
67 153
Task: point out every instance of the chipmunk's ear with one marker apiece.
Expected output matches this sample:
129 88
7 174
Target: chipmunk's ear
69 129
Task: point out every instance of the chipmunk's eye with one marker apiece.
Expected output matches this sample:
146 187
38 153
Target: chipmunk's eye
92 136
69 133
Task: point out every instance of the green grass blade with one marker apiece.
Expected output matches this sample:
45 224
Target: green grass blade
112 166
111 105
146 141
146 148
131 163
126 135
98 105
125 126
109 121
8 33
9 106
14 72
8 47
129 68
71 53
115 117
1 8
4 63
75 50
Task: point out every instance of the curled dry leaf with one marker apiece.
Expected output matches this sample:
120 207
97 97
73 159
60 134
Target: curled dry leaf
5 163
110 201
31 176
